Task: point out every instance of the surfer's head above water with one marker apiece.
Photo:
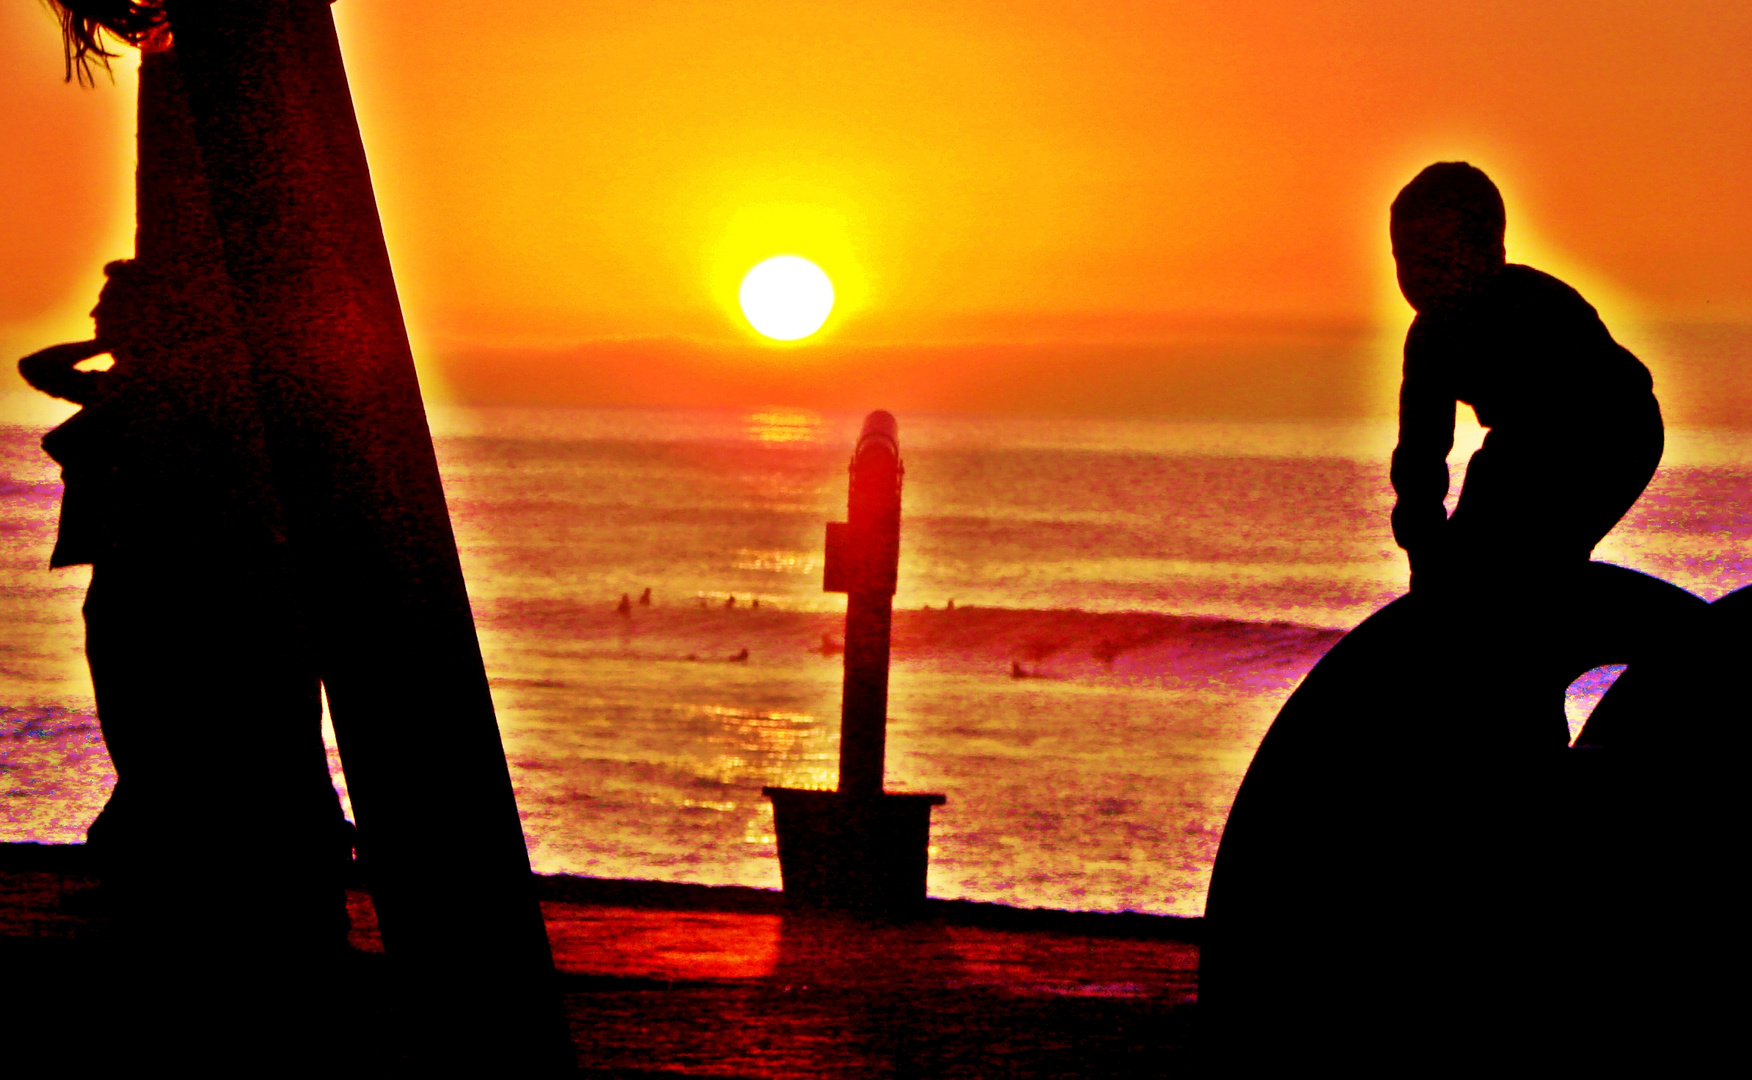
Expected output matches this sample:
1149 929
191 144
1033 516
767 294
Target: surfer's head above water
1447 229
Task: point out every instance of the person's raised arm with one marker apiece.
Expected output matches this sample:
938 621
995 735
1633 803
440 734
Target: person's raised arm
52 371
1420 461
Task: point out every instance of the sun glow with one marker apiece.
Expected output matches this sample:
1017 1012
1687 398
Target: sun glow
787 297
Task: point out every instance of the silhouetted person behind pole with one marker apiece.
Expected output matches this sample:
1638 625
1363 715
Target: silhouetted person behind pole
210 710
81 445
91 447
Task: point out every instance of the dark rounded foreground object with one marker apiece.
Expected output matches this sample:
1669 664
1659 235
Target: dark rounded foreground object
1417 865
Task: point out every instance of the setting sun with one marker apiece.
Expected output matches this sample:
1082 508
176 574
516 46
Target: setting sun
786 298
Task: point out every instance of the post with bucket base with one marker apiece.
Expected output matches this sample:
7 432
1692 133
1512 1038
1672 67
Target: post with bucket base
860 848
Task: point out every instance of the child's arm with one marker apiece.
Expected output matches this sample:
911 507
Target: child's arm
52 371
1420 461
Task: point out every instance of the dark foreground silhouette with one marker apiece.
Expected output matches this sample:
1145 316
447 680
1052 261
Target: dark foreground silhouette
663 979
1497 891
205 695
264 516
1488 889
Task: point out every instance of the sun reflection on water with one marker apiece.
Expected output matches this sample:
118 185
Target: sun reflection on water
775 562
783 426
770 747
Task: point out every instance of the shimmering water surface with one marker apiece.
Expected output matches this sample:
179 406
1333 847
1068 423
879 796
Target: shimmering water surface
639 746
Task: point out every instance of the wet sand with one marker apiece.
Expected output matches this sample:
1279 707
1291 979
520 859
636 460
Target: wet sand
681 980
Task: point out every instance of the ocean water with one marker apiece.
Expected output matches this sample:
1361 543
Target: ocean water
1160 587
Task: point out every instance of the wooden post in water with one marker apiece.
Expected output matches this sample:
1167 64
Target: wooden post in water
860 848
367 533
863 561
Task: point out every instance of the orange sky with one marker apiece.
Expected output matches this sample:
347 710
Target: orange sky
1202 183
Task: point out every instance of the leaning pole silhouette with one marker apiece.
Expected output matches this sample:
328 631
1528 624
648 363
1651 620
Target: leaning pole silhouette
366 528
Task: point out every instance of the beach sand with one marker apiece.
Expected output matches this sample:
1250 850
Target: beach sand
677 980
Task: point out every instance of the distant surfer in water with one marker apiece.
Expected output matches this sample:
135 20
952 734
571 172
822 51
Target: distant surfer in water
1575 432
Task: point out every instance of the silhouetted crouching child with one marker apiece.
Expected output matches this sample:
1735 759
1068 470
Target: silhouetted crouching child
1398 875
1575 432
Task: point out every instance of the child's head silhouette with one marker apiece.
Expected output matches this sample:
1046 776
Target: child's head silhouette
1447 228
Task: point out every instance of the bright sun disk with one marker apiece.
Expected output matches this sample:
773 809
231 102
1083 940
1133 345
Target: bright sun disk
786 297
